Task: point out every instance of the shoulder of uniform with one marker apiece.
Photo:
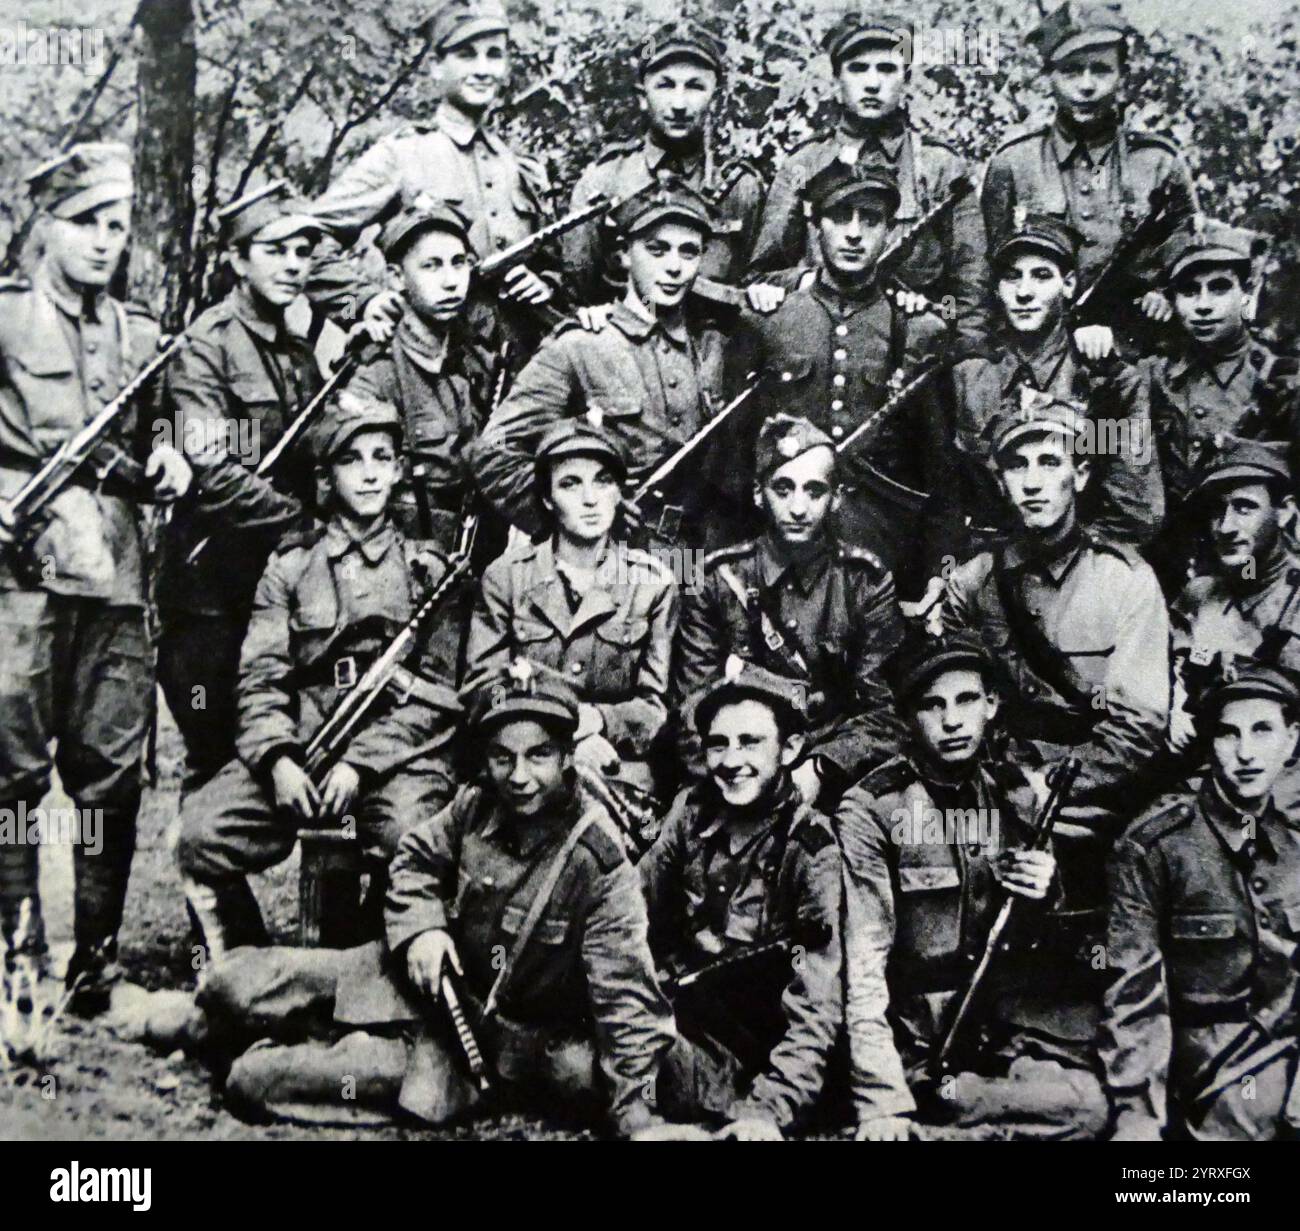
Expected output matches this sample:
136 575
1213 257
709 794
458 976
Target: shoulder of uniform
930 141
1163 817
137 311
618 149
602 842
301 538
412 128
812 830
730 555
511 558
896 774
860 558
741 167
9 285
1142 140
1112 547
650 562
567 325
813 145
1019 136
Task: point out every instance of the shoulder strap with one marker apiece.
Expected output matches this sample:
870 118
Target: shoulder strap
772 636
537 907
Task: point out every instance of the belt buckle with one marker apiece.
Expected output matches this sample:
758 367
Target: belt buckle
345 672
670 522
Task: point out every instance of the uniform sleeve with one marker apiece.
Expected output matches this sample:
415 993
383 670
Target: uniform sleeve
338 285
422 876
1148 275
581 248
876 1077
364 193
745 202
660 869
782 232
1132 505
1136 1038
998 199
267 725
489 645
634 1025
812 1003
632 725
700 656
966 244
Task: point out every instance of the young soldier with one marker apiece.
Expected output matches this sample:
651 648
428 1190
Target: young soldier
869 57
680 68
1218 380
585 604
805 606
73 641
932 845
1085 167
229 397
326 606
654 370
1199 1033
741 862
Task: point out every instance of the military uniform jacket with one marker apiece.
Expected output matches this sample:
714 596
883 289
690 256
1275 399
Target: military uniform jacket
1202 936
614 648
918 905
949 259
1127 494
623 167
61 361
1197 394
475 871
830 622
706 900
325 608
655 387
1084 654
237 386
1102 188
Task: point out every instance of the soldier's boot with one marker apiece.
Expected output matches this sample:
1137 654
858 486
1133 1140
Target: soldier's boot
226 914
21 927
101 879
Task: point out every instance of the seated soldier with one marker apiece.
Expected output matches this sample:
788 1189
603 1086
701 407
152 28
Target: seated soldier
932 846
742 876
585 604
520 892
802 604
328 603
1199 1032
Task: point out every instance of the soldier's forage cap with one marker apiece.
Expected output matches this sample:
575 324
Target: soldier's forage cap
423 214
1075 26
1244 679
922 657
1207 241
87 176
838 183
523 691
856 29
349 416
1241 461
267 215
781 439
746 681
581 436
1041 233
671 201
1034 414
682 40
458 22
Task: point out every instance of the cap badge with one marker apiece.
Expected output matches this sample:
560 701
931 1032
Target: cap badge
733 669
595 417
521 673
788 446
1019 216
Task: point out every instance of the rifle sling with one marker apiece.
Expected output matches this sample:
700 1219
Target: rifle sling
772 636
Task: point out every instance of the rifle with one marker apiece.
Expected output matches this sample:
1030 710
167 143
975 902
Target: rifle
333 735
904 388
944 1058
779 942
464 1035
57 472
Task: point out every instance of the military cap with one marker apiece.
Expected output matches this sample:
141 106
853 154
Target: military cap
839 182
745 681
460 21
520 691
1241 679
269 214
681 40
1247 461
1207 241
580 436
921 657
674 200
350 415
855 29
423 214
1041 233
782 438
89 175
1034 414
1077 25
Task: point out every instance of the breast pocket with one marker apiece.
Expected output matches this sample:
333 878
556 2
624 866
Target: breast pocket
928 911
47 382
1206 954
530 633
550 930
619 648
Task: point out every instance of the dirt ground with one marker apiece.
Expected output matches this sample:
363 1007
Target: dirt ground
100 1088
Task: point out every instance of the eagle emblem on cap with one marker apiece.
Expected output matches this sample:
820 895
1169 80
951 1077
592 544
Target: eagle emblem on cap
1229 672
521 673
595 417
788 446
734 668
1019 216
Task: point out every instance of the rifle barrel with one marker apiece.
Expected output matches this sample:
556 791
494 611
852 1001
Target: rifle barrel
468 1043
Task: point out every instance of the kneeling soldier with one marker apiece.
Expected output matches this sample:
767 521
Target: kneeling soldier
1199 1034
920 898
326 606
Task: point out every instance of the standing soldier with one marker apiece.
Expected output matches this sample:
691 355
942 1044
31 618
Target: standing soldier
933 842
230 396
870 59
1199 1034
1085 167
743 890
327 605
76 652
680 68
803 605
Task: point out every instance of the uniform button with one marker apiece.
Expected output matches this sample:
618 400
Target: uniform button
1259 884
841 353
492 213
1031 689
488 882
501 243
95 382
1085 213
487 183
837 431
787 375
1085 188
91 348
837 405
576 668
975 848
672 382
838 380
675 420
1199 412
841 330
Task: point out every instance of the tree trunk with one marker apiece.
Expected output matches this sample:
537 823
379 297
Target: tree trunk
164 158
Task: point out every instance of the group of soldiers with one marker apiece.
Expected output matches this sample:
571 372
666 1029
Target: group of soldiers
831 613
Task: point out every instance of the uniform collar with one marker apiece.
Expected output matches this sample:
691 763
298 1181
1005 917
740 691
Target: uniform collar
683 161
841 302
1039 364
1022 554
255 317
885 138
460 130
779 809
1227 821
339 540
806 572
425 348
1068 145
640 326
546 593
528 836
88 307
1221 366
